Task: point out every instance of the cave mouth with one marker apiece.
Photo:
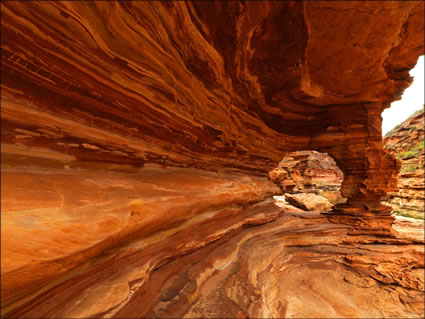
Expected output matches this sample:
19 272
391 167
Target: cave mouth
309 180
411 100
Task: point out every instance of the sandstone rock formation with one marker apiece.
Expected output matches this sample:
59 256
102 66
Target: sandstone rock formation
280 201
136 141
406 142
309 172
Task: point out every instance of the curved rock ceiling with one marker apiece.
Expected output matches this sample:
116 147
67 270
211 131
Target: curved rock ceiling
201 99
203 84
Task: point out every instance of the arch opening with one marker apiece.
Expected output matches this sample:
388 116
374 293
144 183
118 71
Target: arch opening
412 100
403 138
406 143
309 180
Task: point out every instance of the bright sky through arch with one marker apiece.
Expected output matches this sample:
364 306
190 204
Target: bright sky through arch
413 99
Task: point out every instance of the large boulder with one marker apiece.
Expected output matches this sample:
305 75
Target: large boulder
308 201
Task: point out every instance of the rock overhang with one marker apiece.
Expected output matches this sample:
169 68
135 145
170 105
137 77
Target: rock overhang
243 81
223 85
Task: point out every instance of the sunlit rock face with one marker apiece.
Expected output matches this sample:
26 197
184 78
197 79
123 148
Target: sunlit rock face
297 266
406 143
127 123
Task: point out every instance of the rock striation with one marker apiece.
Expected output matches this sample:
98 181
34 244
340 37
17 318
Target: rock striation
136 138
137 83
293 266
406 143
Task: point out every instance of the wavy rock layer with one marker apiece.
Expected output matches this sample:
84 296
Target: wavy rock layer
124 121
298 265
407 144
56 220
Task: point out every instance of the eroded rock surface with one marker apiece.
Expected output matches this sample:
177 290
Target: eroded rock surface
137 136
406 142
295 265
163 82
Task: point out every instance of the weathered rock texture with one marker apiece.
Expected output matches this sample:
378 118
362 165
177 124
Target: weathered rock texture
126 123
406 142
163 82
309 172
299 265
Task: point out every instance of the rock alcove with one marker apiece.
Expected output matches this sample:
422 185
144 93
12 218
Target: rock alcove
136 142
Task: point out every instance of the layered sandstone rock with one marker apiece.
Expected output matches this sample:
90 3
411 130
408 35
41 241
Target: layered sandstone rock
298 265
139 82
406 142
137 133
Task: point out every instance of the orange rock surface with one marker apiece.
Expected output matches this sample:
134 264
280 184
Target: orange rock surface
136 138
297 266
309 202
